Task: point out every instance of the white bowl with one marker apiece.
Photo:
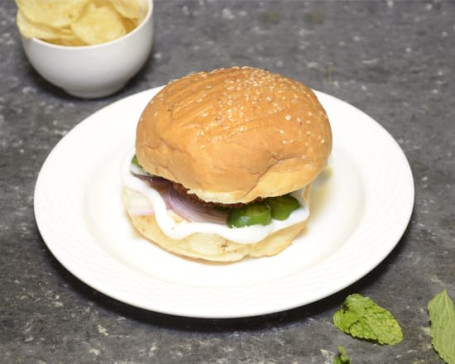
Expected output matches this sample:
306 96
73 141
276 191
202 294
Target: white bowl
97 70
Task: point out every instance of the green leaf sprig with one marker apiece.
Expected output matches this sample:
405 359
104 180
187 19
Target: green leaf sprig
441 312
362 318
342 357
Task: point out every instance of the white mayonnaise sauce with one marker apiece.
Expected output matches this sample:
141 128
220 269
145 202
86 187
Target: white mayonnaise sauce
179 230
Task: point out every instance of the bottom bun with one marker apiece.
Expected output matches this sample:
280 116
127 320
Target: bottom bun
213 247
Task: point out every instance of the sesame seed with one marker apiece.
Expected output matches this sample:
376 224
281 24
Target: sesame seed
281 131
288 117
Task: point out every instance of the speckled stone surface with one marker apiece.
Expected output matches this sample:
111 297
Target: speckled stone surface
395 60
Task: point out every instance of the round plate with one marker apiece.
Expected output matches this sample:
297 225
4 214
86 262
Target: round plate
360 209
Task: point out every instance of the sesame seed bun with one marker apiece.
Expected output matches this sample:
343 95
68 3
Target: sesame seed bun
234 135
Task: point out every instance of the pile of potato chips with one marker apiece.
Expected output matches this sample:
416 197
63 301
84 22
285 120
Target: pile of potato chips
78 22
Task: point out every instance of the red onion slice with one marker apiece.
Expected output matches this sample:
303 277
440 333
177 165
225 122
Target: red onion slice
154 181
157 183
181 205
192 211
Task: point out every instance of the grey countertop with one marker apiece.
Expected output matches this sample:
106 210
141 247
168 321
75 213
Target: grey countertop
395 60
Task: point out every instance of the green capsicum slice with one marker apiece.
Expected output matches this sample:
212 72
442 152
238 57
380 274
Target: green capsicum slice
257 213
282 206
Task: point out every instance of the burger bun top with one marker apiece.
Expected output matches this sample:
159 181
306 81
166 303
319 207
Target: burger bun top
234 135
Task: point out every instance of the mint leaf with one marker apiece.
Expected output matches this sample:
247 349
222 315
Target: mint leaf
362 318
442 318
342 357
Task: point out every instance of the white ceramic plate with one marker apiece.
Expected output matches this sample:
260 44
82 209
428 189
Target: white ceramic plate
359 213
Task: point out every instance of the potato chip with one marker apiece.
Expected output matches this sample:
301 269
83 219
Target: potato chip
129 24
98 25
127 8
30 29
54 13
79 22
68 42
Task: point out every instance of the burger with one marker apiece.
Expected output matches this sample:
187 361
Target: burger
223 163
